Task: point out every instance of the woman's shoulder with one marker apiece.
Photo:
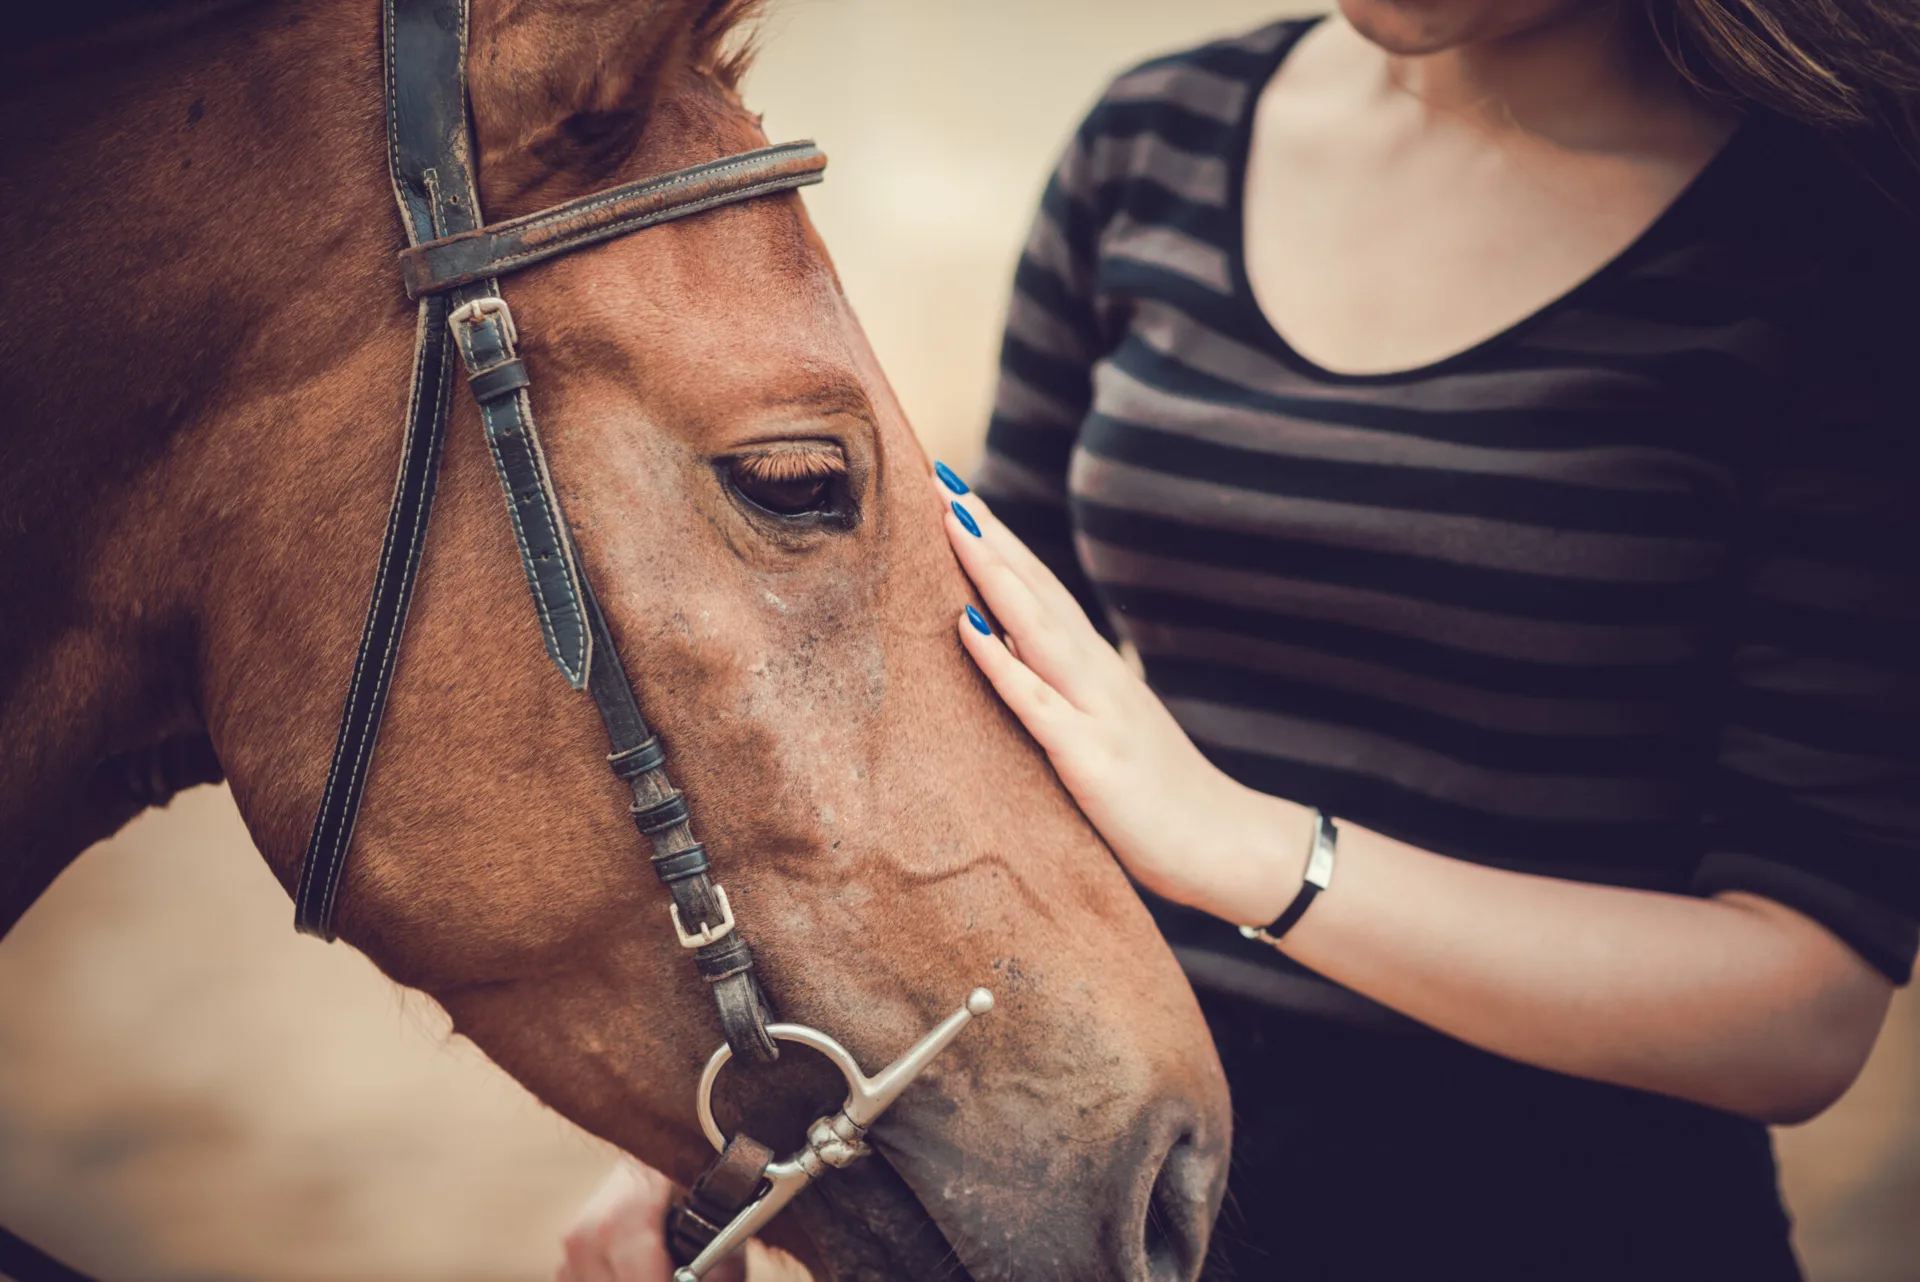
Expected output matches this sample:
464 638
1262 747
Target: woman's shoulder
1813 249
1193 101
1212 79
1793 235
1843 223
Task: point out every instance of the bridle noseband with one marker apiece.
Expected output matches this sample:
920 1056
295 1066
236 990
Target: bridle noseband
452 266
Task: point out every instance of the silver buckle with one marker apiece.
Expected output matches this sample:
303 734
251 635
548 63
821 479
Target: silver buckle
492 305
707 933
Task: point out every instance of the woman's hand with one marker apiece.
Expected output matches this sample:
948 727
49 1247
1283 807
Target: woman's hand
620 1235
1182 828
1735 1002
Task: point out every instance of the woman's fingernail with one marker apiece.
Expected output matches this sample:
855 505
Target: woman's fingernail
979 622
967 522
949 478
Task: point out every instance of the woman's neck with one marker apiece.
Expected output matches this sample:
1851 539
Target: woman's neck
1574 79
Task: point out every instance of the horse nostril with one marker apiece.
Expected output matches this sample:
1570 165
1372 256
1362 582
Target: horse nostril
1178 1212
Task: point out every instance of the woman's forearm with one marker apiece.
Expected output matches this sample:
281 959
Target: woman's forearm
1734 1002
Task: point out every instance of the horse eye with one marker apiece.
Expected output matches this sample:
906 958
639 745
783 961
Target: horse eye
791 488
786 497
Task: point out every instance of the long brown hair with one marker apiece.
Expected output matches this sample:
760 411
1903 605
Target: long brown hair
1850 68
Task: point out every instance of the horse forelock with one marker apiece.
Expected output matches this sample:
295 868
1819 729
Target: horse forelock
726 37
566 95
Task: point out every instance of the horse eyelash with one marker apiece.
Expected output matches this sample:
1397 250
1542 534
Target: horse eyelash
780 466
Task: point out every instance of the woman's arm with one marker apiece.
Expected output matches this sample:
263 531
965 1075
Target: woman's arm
1735 1002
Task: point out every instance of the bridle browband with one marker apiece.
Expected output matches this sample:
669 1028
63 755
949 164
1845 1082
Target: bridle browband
453 266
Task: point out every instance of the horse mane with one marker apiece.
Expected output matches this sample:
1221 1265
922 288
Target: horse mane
52 20
725 35
726 38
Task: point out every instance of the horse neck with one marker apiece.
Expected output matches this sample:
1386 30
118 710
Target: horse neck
174 195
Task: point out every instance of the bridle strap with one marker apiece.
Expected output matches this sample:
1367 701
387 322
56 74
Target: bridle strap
414 120
638 758
735 1178
399 567
503 248
452 267
483 334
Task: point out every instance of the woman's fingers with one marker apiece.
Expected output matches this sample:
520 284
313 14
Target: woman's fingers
589 1252
620 1228
1047 634
1046 643
1043 710
1043 581
620 1234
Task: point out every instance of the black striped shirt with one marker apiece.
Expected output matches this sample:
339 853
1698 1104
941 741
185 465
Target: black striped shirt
1625 594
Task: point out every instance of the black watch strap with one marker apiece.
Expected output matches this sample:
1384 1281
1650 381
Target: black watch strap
1319 875
1294 911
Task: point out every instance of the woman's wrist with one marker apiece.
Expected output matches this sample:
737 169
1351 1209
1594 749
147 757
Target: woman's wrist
1262 859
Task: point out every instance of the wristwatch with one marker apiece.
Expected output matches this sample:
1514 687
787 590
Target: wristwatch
1319 875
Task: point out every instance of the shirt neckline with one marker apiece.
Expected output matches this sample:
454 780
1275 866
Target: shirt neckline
1240 148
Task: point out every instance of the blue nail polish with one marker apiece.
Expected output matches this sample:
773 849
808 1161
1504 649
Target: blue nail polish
949 478
979 622
966 520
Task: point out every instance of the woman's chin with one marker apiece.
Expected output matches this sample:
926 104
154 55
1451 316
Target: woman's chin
1419 28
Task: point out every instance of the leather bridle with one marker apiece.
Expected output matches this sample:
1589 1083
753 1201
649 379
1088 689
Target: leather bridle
452 267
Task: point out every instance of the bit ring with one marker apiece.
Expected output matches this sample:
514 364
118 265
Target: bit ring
842 1059
833 1141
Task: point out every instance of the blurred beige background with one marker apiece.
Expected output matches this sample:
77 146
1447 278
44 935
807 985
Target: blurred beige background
190 1091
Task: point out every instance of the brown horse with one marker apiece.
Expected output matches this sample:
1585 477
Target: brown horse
206 355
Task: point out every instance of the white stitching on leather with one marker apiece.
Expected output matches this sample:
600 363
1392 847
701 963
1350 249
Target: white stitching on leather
421 262
667 182
344 841
335 852
498 413
652 218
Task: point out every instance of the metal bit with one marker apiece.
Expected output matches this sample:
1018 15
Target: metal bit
833 1141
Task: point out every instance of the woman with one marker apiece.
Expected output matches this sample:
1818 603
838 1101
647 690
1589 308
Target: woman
1483 419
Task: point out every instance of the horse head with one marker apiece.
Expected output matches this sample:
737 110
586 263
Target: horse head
210 363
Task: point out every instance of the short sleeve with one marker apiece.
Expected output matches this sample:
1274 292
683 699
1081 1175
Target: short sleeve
1815 795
